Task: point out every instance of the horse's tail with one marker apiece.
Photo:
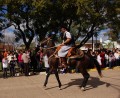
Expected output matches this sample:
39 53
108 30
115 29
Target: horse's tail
97 65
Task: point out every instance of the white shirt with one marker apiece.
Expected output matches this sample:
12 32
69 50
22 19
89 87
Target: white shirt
45 58
25 58
68 35
106 56
5 63
9 57
99 59
116 55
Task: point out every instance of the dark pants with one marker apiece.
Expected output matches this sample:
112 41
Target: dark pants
12 71
4 72
34 63
26 69
117 62
21 65
47 69
111 64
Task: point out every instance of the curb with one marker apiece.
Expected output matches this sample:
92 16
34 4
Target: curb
107 68
91 70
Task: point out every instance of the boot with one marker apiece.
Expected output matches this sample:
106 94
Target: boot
63 62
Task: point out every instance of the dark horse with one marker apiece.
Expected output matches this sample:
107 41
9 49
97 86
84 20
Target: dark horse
82 63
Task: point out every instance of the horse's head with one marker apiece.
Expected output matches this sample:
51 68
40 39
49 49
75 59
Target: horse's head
48 45
48 42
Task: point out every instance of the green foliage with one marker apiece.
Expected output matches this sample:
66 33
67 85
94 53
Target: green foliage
83 17
108 45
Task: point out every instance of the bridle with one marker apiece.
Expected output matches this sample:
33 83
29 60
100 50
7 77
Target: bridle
47 40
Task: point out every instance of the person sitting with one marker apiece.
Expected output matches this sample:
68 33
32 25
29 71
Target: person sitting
68 42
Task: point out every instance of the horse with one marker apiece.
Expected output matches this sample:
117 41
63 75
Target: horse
81 63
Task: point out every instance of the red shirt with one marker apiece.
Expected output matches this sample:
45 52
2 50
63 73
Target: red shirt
20 58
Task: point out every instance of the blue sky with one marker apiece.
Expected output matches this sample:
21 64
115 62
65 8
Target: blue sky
101 34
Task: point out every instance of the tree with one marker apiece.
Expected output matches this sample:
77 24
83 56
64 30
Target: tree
114 24
94 15
108 45
8 39
37 17
3 21
19 15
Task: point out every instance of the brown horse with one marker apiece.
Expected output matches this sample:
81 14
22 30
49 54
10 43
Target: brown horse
81 63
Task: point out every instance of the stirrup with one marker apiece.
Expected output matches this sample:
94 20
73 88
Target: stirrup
64 65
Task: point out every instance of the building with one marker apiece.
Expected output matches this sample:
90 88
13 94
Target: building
88 44
6 46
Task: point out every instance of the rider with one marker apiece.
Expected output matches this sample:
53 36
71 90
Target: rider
68 42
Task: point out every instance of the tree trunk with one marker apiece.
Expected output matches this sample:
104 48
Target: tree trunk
27 46
92 44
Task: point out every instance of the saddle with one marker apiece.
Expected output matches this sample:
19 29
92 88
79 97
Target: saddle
73 53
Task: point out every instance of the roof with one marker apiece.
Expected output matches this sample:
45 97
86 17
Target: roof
94 41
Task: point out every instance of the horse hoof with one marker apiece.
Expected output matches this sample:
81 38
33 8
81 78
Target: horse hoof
44 86
83 88
101 75
59 88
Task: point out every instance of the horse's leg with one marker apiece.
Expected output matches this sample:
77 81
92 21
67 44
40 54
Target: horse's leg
98 67
47 76
85 80
57 77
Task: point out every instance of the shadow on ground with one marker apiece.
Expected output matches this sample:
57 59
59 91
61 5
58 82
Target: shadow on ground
93 82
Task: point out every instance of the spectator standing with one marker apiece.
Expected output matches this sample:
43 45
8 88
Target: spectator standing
10 55
5 66
12 67
99 58
111 60
106 59
102 55
20 62
5 54
116 54
33 60
119 56
41 57
26 59
38 60
1 57
16 56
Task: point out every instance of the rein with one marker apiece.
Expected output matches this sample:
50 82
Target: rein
45 41
50 47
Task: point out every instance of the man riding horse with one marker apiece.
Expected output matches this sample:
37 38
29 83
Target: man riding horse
68 42
80 61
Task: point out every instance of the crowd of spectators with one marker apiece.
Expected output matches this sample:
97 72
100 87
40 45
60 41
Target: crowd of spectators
106 58
26 61
22 62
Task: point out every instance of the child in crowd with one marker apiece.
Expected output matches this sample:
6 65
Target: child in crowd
5 66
